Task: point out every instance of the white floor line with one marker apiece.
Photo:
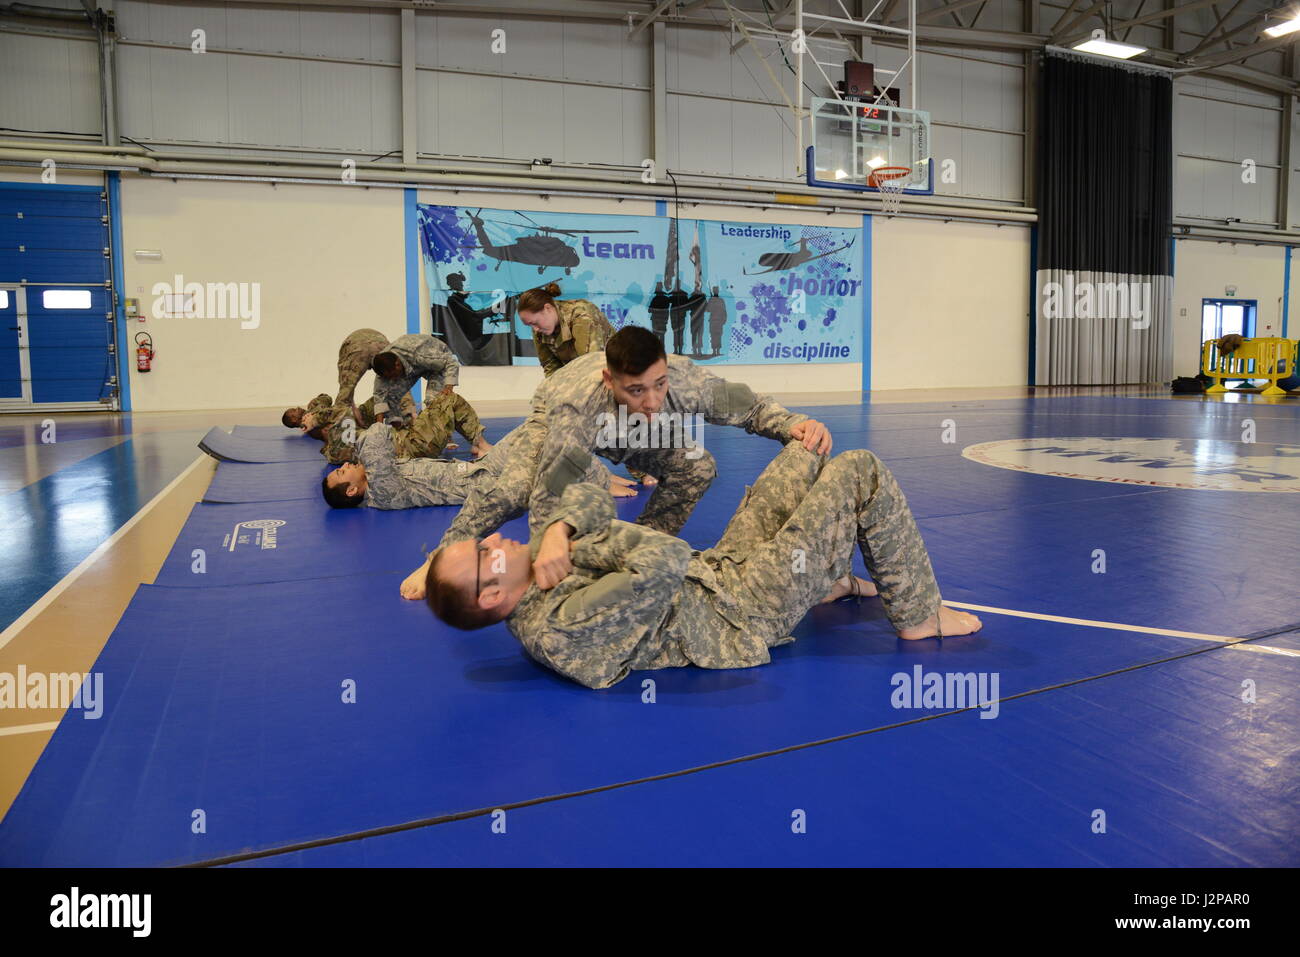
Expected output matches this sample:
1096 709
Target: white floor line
1114 626
10 633
29 728
1267 649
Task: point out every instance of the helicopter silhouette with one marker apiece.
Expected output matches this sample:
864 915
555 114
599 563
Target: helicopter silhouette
542 250
777 262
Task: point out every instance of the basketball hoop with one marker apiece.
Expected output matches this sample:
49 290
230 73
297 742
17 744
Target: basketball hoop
890 180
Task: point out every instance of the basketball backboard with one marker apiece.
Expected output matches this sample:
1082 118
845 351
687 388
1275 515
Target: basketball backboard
851 139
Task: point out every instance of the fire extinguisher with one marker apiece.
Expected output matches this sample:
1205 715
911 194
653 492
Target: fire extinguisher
144 351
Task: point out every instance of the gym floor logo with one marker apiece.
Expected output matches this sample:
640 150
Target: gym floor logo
260 532
1168 463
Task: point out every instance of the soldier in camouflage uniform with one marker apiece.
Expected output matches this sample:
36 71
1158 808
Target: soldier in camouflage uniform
426 436
383 478
576 327
297 417
406 360
594 598
583 401
356 354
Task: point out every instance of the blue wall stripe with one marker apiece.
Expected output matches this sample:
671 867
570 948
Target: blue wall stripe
119 285
866 302
661 207
412 223
1286 288
1032 372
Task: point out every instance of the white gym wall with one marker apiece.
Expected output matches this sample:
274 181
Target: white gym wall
951 299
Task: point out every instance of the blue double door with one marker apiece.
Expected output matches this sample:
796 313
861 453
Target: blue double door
56 299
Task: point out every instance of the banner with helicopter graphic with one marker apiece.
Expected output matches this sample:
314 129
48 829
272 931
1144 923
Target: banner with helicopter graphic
715 291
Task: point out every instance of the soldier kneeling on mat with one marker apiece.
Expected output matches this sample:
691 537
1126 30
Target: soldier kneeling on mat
594 598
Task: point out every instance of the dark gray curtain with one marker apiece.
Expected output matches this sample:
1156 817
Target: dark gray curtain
1105 193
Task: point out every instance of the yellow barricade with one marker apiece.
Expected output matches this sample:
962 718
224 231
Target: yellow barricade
1268 358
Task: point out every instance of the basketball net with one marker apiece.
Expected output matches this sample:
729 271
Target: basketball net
890 181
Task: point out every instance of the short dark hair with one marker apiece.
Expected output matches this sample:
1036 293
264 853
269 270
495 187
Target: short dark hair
292 418
455 605
632 350
337 495
386 364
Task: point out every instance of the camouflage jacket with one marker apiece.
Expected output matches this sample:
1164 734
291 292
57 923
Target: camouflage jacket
423 357
393 482
637 599
321 408
581 328
582 415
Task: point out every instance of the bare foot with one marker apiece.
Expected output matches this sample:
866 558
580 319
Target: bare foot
620 491
619 480
649 480
413 584
951 622
481 447
844 588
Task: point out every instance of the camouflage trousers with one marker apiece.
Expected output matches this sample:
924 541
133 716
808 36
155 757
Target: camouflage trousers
355 355
792 538
431 430
490 504
682 483
342 434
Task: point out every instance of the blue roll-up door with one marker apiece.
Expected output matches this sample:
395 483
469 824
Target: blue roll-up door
54 241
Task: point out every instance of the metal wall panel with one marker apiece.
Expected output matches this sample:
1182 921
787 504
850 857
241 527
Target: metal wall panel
49 84
266 101
593 123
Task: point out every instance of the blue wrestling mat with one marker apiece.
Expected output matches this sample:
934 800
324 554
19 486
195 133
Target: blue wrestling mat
231 448
229 699
272 433
292 697
1022 790
273 482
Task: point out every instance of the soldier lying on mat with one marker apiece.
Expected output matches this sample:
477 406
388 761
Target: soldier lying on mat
426 436
594 598
387 475
306 419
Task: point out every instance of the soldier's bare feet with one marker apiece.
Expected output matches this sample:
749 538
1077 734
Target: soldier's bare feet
481 447
649 480
951 622
844 588
620 489
413 584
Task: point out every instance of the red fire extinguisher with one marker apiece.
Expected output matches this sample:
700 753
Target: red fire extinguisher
144 351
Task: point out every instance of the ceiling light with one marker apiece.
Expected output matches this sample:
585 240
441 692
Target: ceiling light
1282 29
1098 43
